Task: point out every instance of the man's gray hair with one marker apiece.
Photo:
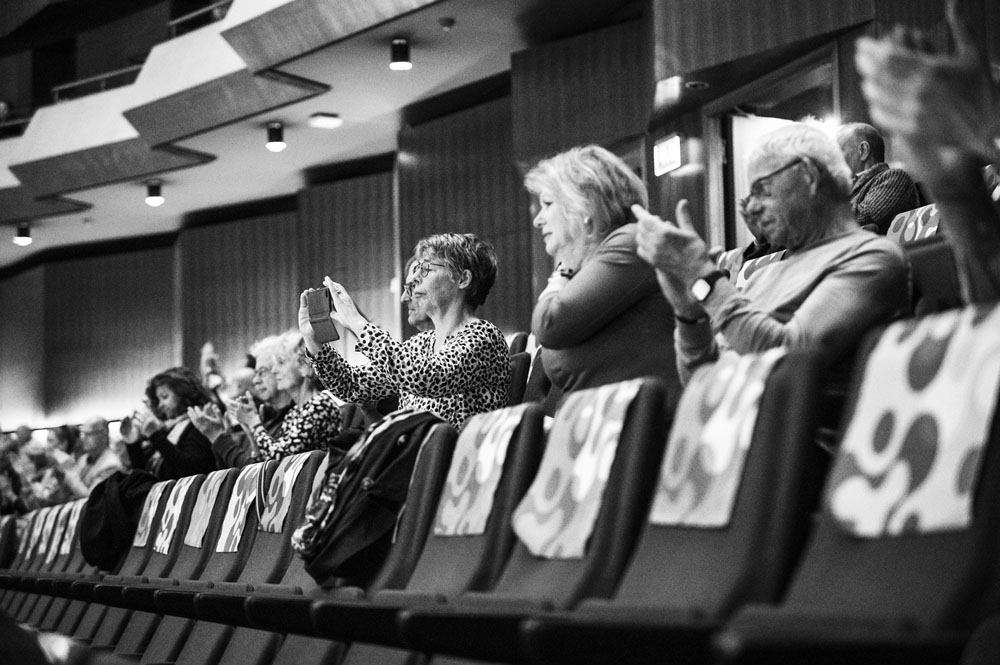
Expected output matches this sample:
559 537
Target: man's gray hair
801 140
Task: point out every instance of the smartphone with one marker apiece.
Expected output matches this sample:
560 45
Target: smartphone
320 306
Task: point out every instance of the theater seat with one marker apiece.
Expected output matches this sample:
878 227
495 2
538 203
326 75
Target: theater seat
935 276
922 222
576 525
904 551
737 488
520 363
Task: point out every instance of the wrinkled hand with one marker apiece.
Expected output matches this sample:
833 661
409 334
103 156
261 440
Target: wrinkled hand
677 252
208 420
245 410
346 312
305 326
932 101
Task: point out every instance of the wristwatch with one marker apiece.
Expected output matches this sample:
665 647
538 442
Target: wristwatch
702 286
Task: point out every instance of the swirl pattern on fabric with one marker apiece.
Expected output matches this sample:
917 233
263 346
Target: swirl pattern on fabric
915 224
243 497
753 265
203 505
476 468
708 444
58 532
279 496
172 514
911 454
557 514
148 512
66 547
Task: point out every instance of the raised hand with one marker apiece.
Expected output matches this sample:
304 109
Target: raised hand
208 420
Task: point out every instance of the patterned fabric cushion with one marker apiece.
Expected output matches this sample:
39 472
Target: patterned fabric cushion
729 261
172 514
24 530
910 456
203 505
244 494
69 536
753 265
475 471
915 224
708 444
58 532
45 536
557 515
149 511
274 508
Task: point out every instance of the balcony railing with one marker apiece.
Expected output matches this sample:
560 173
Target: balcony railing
92 84
210 14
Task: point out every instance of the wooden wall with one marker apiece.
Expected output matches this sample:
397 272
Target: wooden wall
457 174
22 349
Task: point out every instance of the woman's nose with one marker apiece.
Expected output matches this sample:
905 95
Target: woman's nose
538 219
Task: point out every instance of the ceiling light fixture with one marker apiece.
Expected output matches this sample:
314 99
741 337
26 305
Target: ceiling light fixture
325 120
154 195
23 236
275 137
400 55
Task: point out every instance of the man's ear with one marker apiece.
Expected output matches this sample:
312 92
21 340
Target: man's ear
864 150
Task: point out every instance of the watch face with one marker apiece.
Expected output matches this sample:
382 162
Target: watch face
700 289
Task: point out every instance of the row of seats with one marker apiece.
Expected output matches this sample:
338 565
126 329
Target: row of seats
719 533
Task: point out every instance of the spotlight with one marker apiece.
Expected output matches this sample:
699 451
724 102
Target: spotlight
325 120
275 137
154 197
400 55
23 235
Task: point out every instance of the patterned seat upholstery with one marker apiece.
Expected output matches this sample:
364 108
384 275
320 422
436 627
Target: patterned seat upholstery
915 224
732 505
905 547
576 525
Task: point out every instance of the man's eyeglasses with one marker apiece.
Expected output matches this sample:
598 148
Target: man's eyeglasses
259 372
761 187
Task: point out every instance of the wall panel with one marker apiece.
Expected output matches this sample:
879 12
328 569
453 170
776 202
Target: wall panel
348 233
238 282
457 174
108 327
22 350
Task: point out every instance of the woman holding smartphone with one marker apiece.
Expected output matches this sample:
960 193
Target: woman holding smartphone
457 369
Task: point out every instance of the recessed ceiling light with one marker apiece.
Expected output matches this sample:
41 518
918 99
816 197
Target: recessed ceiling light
325 120
696 85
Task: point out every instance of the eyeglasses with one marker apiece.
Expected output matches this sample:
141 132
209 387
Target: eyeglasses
259 372
422 268
760 188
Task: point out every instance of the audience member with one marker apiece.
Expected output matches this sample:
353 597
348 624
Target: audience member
460 368
733 260
880 192
161 439
415 314
313 421
602 302
98 460
65 438
942 110
232 446
834 284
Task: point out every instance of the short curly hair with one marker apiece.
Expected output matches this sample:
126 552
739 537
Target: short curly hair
464 251
186 385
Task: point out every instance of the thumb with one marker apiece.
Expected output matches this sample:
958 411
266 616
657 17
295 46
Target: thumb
964 46
683 214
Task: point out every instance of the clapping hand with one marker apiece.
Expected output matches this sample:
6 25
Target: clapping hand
245 410
208 420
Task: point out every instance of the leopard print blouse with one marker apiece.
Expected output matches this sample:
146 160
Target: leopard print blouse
470 374
308 426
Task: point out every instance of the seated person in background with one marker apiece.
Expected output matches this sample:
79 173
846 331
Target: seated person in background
835 283
415 314
98 460
943 111
231 445
734 260
161 439
602 318
311 423
458 369
65 438
879 192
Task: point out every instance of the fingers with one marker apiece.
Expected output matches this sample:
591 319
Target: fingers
683 213
964 45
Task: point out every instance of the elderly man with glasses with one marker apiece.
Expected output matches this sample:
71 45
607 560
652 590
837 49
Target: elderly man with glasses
835 283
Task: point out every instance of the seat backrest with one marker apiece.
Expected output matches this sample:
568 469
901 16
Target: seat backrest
134 562
537 386
24 527
737 488
935 276
414 522
168 536
578 522
520 363
915 224
8 539
279 511
517 342
60 554
910 524
38 537
230 550
495 459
